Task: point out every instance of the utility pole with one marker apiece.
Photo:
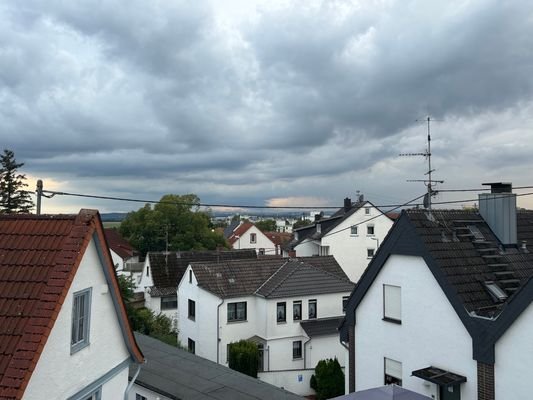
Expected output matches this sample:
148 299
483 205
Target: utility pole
428 182
39 192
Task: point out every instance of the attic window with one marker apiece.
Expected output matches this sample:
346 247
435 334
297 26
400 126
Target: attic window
496 292
367 210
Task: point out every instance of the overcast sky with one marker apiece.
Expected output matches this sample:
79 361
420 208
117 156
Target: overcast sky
265 102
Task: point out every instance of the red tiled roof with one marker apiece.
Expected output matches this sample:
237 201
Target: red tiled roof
118 244
39 257
279 238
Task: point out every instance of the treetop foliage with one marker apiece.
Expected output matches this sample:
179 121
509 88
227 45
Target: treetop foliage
176 219
267 225
13 197
328 380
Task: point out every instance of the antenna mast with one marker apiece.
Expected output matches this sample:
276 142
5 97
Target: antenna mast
428 182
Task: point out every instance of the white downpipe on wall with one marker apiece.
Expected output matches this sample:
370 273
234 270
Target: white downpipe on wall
218 331
130 385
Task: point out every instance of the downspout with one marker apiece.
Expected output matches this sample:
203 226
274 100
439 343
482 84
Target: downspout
305 352
218 331
130 385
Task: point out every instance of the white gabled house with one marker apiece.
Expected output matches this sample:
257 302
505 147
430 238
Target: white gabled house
290 307
245 235
352 235
64 333
445 308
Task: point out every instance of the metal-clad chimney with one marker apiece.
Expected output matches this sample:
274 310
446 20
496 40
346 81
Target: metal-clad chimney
347 204
498 209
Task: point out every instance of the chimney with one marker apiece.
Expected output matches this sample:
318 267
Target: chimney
347 204
318 216
498 209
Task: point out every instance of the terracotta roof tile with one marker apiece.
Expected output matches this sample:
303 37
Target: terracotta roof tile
118 244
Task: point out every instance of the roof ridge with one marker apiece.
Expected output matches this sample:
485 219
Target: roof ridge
272 276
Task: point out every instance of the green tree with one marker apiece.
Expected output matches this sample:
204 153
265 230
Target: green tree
328 380
300 223
267 225
244 357
13 197
176 220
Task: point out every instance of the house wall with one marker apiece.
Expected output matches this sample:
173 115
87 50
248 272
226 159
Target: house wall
58 374
514 359
203 329
262 241
154 304
307 248
149 394
146 276
295 381
118 262
349 250
430 334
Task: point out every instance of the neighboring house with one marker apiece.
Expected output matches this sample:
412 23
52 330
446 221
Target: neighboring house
284 225
173 373
445 308
64 333
290 307
121 251
163 271
245 235
352 235
280 240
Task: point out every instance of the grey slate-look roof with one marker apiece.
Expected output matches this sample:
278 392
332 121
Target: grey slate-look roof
272 277
321 326
168 269
178 374
300 278
462 253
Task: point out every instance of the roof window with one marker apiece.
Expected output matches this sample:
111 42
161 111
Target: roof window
496 292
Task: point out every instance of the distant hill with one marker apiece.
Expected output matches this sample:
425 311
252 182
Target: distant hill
113 217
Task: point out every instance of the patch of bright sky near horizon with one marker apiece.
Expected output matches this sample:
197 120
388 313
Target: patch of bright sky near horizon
266 102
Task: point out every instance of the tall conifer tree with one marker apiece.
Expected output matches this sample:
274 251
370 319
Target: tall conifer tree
13 196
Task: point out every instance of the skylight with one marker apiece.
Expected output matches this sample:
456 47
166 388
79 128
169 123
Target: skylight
497 293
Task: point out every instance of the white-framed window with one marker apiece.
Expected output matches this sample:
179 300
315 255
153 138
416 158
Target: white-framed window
96 395
370 229
370 253
312 312
323 250
237 311
344 302
297 349
253 238
191 346
140 397
297 310
281 312
191 313
169 302
81 318
261 252
367 210
353 230
393 372
392 303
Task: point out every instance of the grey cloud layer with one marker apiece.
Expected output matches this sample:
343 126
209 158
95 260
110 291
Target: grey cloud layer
164 90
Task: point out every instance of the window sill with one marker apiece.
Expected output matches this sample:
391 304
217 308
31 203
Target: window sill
281 322
394 321
296 319
297 358
237 321
192 318
74 348
352 235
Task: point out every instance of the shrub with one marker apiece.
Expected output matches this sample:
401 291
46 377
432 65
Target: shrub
328 380
244 357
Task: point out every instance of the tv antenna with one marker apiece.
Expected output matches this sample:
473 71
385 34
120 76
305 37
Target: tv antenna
430 183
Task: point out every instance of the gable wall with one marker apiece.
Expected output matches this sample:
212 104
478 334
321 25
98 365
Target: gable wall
349 250
59 374
514 359
146 278
431 333
262 242
307 248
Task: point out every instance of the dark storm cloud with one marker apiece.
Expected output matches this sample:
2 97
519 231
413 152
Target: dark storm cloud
300 96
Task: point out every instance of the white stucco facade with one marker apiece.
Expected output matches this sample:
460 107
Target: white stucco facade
430 333
514 359
351 249
261 321
262 244
146 280
60 374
